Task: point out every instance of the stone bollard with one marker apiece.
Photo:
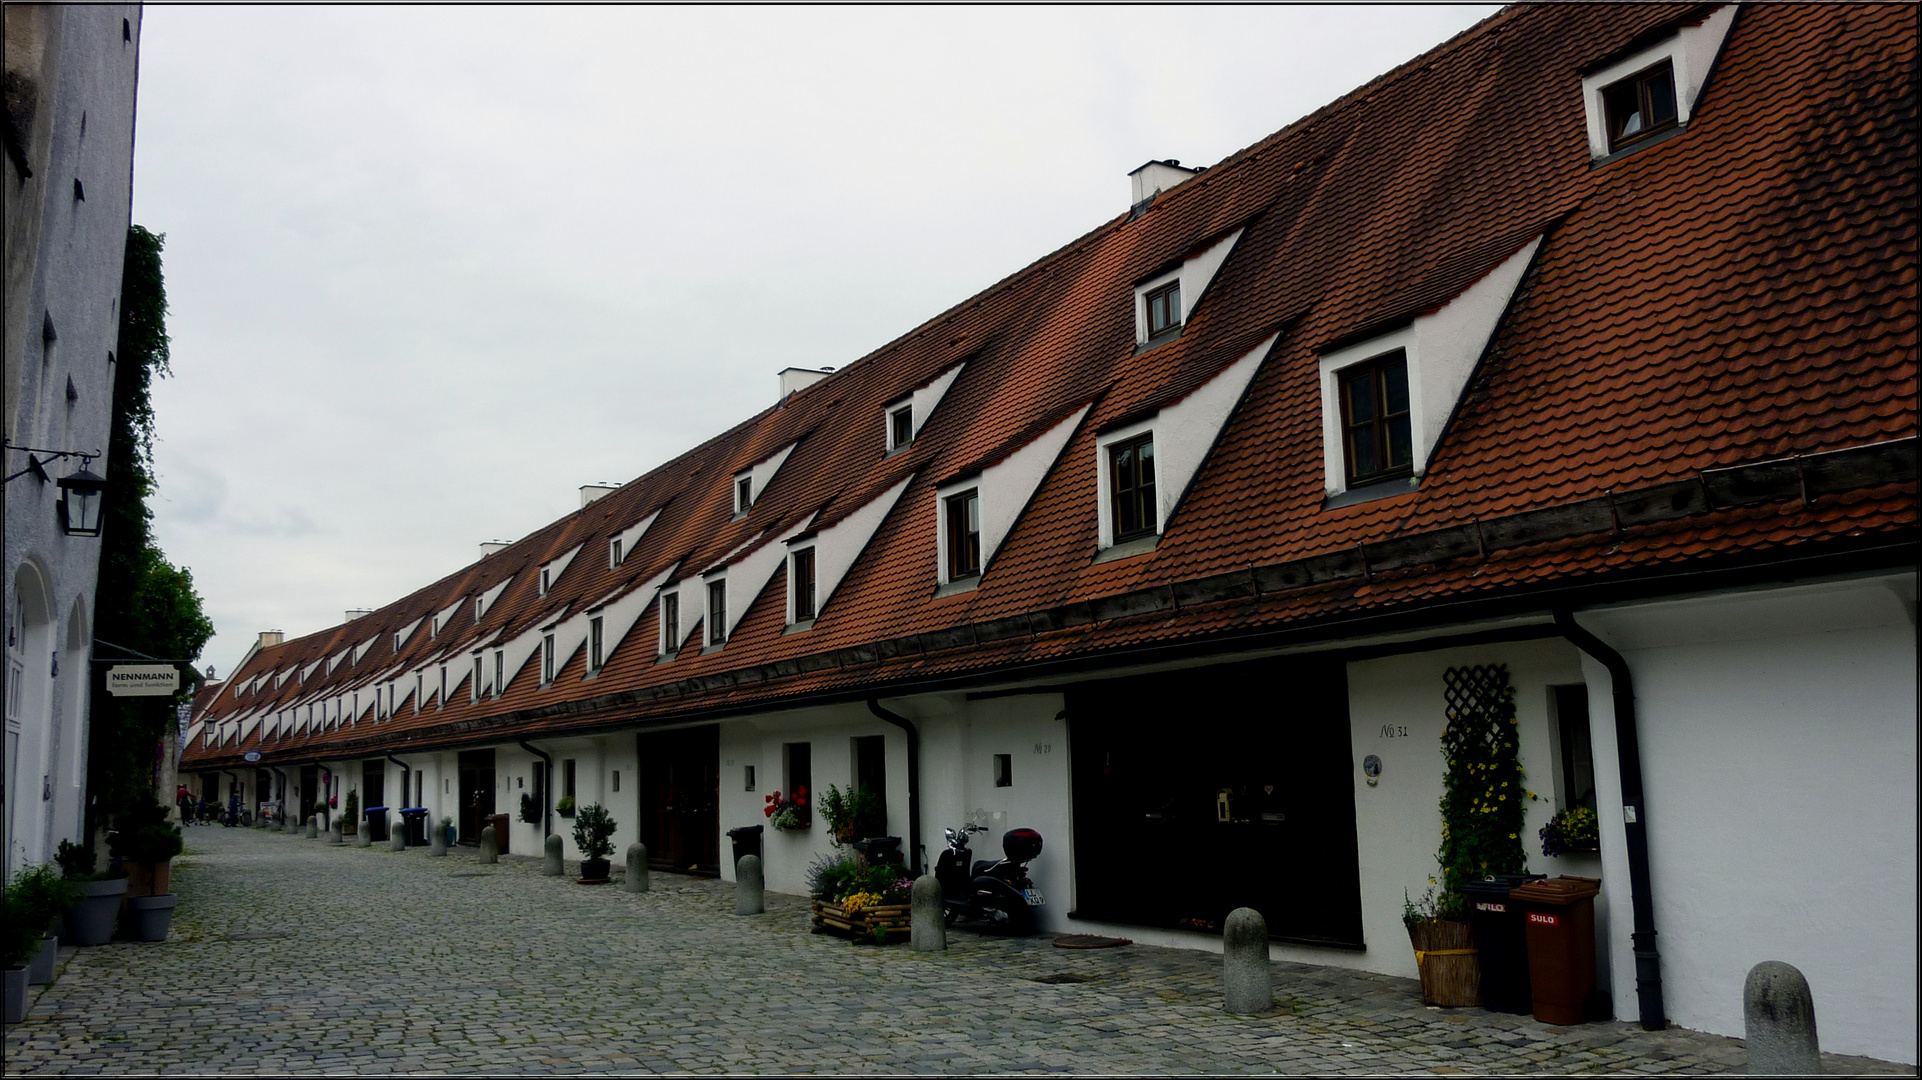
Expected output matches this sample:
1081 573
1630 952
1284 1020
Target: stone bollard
333 833
490 850
437 840
637 868
313 828
397 838
364 836
748 892
1778 1015
930 933
1244 954
552 863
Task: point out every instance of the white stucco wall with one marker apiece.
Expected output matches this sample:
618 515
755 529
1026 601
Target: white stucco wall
1778 735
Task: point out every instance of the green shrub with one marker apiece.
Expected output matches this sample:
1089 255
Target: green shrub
1481 804
142 835
21 935
76 861
43 894
593 828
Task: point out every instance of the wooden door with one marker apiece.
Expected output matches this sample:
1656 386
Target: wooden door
476 768
680 796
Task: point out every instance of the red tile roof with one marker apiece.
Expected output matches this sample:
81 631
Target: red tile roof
1744 293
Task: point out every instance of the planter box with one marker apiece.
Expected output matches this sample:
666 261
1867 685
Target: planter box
895 920
16 995
40 967
91 921
150 917
1451 973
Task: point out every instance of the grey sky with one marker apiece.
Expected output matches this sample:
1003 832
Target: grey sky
433 268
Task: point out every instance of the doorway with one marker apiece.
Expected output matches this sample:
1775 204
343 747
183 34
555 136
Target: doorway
476 769
309 792
373 792
680 798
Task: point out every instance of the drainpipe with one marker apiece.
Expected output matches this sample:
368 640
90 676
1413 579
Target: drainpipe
1648 961
547 785
914 780
282 801
406 775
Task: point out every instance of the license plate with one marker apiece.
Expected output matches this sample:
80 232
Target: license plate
1033 895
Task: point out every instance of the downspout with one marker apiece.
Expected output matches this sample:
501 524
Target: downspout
1648 961
281 802
914 780
547 787
406 775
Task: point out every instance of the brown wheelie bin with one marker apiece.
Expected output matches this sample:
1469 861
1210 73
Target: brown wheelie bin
499 822
1559 914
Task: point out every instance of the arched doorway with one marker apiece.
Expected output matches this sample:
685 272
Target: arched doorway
29 689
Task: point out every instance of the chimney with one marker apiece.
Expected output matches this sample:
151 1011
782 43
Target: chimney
270 638
355 613
488 547
590 492
1154 178
800 378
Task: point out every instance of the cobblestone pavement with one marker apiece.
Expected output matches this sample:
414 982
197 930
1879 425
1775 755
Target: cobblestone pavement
291 955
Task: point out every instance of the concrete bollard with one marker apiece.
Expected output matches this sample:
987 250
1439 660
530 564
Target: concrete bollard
1778 1015
930 922
748 887
637 868
437 840
364 836
490 850
1248 983
313 828
333 833
552 865
397 838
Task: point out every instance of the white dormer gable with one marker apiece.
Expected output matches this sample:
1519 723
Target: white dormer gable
401 635
619 617
743 581
484 602
1691 52
837 546
308 671
758 476
1441 346
446 614
1194 274
1183 432
920 405
551 570
622 544
360 650
1004 489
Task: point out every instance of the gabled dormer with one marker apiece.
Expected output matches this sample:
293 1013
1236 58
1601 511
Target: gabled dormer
1647 93
621 544
485 601
818 559
906 415
750 482
977 508
1164 300
551 571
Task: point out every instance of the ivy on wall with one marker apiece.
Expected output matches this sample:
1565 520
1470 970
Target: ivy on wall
1482 795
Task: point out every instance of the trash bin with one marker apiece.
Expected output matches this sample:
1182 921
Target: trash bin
414 819
1502 941
376 818
879 850
747 841
499 822
1559 914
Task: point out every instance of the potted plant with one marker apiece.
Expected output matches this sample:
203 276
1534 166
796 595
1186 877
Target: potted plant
448 830
44 899
851 815
593 834
788 813
565 807
148 844
1574 829
18 940
91 921
349 821
530 810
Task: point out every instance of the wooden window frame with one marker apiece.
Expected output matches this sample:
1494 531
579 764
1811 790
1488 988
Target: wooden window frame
900 426
596 644
801 583
964 544
743 493
1640 82
1141 494
547 659
1375 429
670 607
1161 296
717 612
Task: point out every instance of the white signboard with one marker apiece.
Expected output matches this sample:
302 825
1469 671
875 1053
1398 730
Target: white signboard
143 680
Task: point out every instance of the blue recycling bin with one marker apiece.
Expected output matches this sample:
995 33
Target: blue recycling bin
414 822
376 823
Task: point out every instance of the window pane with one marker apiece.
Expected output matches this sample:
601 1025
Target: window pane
1622 102
1661 98
1399 452
1360 391
1395 388
1361 453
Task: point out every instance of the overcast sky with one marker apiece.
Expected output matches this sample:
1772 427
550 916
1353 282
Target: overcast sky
431 269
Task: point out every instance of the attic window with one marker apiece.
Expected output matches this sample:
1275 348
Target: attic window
1640 106
1132 486
596 644
963 514
546 580
900 426
801 584
670 622
743 493
547 659
614 553
1376 436
716 612
1164 309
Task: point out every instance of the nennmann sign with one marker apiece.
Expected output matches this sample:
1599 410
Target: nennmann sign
143 680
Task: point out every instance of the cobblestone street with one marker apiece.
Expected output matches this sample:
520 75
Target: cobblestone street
292 955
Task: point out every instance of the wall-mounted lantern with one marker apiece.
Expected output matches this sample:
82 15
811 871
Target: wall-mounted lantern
80 502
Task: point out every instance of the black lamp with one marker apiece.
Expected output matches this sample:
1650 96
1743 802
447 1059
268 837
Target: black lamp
80 502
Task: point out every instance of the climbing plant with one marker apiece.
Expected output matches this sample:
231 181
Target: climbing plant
1482 794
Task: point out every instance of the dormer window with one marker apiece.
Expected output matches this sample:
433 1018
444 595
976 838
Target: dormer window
547 659
1640 106
1377 442
474 691
716 612
900 426
500 672
1164 309
614 554
743 493
963 514
546 580
1131 485
800 584
596 643
670 623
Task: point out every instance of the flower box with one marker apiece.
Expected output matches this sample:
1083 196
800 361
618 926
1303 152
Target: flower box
894 920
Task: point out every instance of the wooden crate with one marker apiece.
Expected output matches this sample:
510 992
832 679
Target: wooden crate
895 920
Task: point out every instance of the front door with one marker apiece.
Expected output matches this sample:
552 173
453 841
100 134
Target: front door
476 793
309 792
373 792
680 796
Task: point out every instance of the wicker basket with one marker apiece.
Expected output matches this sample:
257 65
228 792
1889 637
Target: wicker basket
1451 974
893 920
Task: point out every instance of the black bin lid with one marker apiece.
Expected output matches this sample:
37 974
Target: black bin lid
1499 884
746 830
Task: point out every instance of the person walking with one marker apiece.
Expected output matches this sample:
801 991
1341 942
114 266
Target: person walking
184 799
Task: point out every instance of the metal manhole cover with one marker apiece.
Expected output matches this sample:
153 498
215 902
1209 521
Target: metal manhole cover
1062 978
264 935
1089 941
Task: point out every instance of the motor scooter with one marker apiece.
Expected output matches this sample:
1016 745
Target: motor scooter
997 893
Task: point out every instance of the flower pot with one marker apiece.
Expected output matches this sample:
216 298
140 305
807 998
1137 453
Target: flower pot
16 995
91 921
1450 969
40 968
152 916
155 880
595 870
